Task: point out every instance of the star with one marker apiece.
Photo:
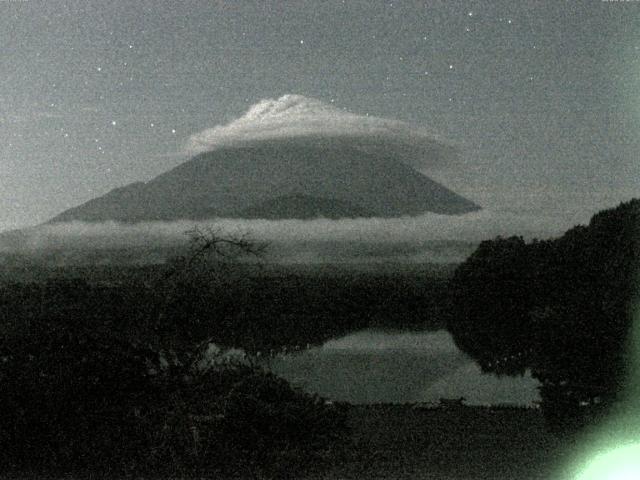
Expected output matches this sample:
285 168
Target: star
173 130
450 67
113 122
301 42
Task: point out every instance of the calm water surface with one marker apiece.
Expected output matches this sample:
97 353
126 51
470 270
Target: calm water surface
374 366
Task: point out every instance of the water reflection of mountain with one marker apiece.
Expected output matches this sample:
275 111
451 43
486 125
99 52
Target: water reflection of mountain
373 367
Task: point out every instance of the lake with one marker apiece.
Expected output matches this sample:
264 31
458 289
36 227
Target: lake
375 366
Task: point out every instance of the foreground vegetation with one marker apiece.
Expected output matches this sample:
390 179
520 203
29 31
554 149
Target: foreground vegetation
119 371
401 442
118 382
87 406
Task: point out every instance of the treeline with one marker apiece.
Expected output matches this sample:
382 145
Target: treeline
560 308
236 306
109 379
112 371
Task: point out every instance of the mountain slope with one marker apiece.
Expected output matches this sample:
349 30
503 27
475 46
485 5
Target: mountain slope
229 182
304 206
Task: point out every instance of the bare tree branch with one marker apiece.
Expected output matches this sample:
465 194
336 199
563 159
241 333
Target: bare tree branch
202 267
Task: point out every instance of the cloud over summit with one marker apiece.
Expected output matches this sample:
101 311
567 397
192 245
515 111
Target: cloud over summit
296 117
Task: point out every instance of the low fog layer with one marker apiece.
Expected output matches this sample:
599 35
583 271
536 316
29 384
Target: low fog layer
296 116
429 237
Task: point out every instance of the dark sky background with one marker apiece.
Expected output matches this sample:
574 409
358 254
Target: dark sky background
543 98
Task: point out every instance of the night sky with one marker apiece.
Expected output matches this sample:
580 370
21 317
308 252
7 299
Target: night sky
542 98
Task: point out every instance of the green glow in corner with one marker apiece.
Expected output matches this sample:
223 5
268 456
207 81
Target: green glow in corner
612 450
620 464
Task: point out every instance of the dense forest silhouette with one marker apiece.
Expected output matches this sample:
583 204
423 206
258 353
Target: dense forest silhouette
560 308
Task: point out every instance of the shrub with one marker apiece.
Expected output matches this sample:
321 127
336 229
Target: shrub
77 403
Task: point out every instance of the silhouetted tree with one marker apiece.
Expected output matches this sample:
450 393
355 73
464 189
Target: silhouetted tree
560 308
79 396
